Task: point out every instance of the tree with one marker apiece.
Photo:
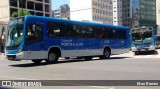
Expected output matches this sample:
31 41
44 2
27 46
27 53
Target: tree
20 12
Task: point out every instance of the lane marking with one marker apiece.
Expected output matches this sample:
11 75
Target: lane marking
16 78
124 70
103 87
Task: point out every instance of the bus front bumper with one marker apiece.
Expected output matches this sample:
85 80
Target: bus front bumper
151 48
16 57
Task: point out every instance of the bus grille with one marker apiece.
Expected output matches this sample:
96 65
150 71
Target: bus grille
11 57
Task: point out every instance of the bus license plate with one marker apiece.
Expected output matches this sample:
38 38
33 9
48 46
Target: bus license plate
142 49
10 58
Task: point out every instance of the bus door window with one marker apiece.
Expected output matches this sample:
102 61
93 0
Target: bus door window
34 33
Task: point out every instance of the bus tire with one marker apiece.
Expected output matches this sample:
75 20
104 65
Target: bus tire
153 51
79 58
52 58
106 54
37 61
136 53
88 58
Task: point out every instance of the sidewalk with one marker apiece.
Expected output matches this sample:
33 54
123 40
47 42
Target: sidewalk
2 55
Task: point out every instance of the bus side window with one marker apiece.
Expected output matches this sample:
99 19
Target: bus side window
111 34
122 34
77 31
105 33
55 29
51 33
87 32
98 32
73 31
69 30
115 33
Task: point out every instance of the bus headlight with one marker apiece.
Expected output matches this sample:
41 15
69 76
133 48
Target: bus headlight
152 47
20 50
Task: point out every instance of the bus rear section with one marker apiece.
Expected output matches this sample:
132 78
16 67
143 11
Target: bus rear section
143 39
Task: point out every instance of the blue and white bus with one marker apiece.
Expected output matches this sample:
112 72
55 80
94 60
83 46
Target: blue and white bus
42 38
143 39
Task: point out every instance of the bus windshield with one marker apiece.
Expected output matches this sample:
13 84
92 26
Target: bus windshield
142 37
15 33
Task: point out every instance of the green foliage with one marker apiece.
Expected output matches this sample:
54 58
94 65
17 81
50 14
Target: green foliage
21 12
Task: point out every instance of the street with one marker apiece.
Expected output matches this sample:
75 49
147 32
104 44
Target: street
120 67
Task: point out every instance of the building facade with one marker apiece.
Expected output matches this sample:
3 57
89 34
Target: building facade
158 12
144 13
127 13
35 7
158 16
62 12
117 12
92 10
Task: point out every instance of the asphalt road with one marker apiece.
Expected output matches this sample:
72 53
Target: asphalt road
117 68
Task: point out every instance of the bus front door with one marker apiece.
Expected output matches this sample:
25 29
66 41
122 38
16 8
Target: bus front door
34 41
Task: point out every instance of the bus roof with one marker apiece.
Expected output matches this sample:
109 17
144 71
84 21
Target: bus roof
76 22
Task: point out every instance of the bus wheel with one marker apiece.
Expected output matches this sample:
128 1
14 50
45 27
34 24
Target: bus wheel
88 58
36 61
79 58
106 54
136 53
52 57
153 51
